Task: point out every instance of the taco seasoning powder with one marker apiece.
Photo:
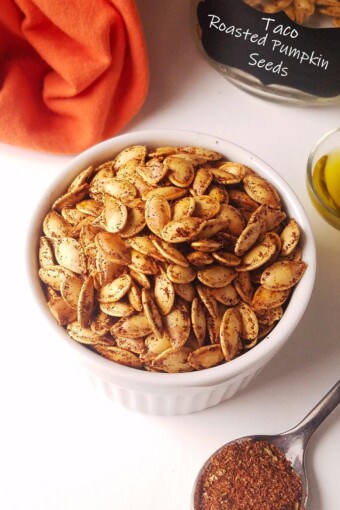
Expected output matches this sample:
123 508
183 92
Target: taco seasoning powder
249 475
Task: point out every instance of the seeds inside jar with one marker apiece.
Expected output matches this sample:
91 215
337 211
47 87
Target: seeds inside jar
146 246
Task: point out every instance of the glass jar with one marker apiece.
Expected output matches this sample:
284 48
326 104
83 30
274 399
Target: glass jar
323 177
288 55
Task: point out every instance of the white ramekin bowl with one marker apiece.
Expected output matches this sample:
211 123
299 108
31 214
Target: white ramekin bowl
161 393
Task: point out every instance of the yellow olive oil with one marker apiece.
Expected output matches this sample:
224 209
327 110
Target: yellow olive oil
326 179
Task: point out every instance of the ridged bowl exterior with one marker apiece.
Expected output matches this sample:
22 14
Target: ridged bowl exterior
179 402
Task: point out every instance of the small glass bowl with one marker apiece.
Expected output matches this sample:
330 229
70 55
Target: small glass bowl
321 200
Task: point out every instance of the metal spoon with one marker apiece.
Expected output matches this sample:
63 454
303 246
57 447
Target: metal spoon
293 442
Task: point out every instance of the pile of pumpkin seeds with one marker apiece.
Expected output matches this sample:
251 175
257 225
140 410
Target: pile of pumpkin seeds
170 260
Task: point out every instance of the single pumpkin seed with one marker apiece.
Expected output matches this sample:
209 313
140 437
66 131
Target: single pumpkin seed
157 214
100 323
264 298
156 345
135 326
283 275
213 328
248 238
180 171
113 247
226 258
186 291
164 293
86 302
81 179
70 254
167 192
206 207
230 334
211 228
136 152
183 230
70 198
226 295
219 193
198 258
233 218
207 356
153 171
182 208
180 274
46 255
142 264
202 180
117 309
151 313
62 311
290 236
216 276
222 176
135 220
55 226
170 253
135 298
177 324
249 323
144 245
241 200
162 152
173 360
198 320
119 355
115 290
70 289
270 315
208 300
135 345
72 215
115 215
208 154
261 253
260 190
140 278
206 245
89 207
82 335
120 189
54 275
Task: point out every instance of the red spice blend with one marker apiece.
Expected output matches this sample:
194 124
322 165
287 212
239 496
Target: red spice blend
249 475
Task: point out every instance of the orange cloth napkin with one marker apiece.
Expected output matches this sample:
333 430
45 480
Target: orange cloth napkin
72 72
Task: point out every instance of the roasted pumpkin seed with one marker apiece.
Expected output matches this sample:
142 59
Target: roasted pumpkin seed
230 334
177 324
180 274
283 275
157 214
207 356
115 290
62 311
198 320
216 276
164 293
183 230
173 360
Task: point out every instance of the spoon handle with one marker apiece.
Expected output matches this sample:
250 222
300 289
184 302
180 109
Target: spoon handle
318 414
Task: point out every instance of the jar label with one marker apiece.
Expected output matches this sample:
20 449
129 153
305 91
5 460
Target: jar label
271 47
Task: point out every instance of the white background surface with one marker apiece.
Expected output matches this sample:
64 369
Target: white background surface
63 446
